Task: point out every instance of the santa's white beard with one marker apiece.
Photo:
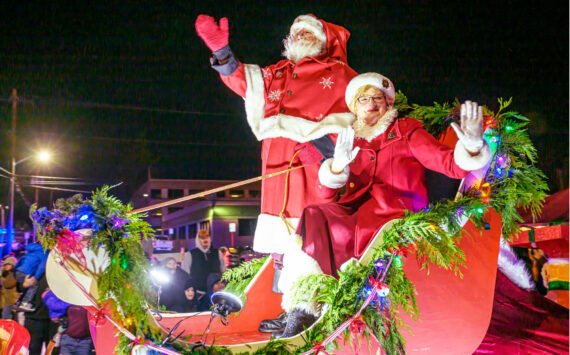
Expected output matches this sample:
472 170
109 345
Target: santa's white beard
297 50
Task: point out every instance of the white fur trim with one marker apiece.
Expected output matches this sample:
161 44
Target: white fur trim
271 234
333 181
347 263
513 268
309 23
374 79
362 130
468 162
296 264
295 128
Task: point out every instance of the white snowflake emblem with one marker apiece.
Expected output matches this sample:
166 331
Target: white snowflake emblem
274 95
266 72
279 74
319 117
327 82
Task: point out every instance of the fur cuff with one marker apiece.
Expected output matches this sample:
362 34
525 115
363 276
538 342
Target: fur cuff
272 235
330 180
467 162
296 264
513 268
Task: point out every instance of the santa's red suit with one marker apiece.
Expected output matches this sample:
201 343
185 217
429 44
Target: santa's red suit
288 103
386 178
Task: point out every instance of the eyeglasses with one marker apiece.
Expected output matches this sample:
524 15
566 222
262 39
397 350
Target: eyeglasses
363 100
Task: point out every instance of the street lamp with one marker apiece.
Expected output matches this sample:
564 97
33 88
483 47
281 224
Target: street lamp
42 157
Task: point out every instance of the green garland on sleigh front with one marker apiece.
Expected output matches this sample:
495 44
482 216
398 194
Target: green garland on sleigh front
123 287
512 182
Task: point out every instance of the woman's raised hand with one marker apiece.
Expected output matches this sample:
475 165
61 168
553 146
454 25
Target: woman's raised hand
471 131
343 152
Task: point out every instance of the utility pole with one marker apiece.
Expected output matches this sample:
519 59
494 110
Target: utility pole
10 227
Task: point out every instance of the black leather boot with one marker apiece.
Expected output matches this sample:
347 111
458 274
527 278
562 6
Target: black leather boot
273 325
297 321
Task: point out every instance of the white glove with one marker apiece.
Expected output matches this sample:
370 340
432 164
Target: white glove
343 152
471 131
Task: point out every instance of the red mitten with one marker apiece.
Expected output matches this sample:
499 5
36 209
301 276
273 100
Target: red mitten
215 37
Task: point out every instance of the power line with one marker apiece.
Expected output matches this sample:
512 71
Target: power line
56 182
149 141
106 106
46 177
57 189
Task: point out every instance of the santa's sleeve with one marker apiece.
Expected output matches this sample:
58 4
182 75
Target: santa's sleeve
455 163
316 150
231 70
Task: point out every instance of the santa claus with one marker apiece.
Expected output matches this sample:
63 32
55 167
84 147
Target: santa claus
295 107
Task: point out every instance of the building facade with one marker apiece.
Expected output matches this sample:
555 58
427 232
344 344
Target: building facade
229 215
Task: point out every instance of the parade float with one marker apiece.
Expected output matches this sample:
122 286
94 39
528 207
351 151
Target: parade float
425 283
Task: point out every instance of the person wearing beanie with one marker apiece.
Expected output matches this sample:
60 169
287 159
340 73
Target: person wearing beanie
195 301
380 160
295 108
9 294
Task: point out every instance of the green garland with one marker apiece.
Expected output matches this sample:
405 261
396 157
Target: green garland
125 281
435 234
238 278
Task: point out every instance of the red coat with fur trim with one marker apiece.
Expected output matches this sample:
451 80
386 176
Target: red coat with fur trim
286 104
386 178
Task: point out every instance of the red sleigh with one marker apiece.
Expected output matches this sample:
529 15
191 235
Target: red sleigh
455 312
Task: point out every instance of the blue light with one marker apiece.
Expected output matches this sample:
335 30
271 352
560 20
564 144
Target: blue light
84 217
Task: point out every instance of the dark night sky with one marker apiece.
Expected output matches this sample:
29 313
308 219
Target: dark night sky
118 86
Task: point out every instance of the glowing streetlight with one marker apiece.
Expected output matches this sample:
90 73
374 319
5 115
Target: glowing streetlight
42 157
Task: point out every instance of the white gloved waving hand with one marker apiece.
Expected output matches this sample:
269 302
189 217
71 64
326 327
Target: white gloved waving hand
343 152
471 131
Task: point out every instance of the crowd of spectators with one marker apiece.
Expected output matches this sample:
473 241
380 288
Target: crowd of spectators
187 286
58 327
55 327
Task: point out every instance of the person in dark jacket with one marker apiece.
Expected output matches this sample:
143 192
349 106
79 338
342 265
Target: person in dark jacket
172 293
31 266
38 322
73 325
195 302
203 261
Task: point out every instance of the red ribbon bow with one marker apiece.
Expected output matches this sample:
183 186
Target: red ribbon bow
99 317
71 243
319 348
376 283
357 325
